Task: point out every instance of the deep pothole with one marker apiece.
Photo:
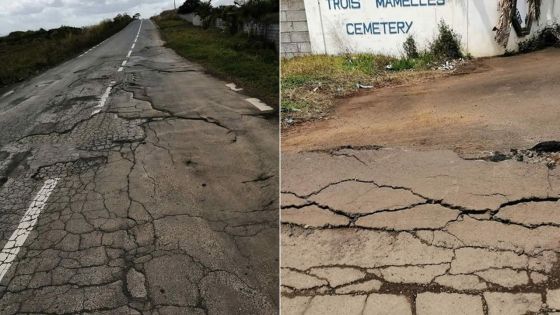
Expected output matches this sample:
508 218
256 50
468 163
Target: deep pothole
547 153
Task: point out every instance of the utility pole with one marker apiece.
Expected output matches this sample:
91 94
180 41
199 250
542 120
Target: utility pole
175 5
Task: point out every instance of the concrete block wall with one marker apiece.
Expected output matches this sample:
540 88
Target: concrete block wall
294 33
270 32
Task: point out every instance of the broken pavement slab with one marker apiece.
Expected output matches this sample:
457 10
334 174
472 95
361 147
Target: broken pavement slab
434 230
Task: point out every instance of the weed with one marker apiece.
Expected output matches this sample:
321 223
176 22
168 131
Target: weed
545 38
311 84
410 48
447 44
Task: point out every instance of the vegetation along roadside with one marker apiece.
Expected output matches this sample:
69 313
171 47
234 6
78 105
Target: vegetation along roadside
24 54
250 61
311 84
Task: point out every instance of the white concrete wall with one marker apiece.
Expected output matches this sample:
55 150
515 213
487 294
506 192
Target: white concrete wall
193 18
330 31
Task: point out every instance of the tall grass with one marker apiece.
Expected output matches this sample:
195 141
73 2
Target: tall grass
24 54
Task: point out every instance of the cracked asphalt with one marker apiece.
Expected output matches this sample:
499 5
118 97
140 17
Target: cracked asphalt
150 190
427 227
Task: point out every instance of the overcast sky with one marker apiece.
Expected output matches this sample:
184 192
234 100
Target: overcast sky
23 15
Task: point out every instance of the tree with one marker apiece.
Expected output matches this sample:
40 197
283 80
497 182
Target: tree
204 10
189 6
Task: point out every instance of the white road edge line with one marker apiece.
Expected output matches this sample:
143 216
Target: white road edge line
258 104
124 63
26 225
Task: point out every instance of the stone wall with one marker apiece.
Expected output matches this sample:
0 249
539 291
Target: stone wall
294 34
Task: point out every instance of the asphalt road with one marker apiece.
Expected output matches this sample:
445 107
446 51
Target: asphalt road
432 222
132 182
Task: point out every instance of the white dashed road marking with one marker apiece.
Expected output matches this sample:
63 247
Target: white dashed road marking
103 99
8 93
121 68
260 105
233 87
26 225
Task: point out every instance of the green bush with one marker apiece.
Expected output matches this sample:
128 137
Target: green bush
447 44
205 11
188 6
409 47
543 39
403 64
363 62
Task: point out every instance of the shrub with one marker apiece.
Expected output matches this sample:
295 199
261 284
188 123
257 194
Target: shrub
189 6
409 47
447 44
403 64
205 10
545 38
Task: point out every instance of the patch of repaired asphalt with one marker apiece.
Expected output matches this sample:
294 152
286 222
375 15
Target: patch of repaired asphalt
131 227
396 231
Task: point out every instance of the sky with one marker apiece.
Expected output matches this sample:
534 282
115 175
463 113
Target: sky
23 15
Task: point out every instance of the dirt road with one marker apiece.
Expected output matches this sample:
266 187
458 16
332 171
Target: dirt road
132 182
421 225
508 102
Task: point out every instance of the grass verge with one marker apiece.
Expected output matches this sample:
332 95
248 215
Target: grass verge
311 84
250 63
24 54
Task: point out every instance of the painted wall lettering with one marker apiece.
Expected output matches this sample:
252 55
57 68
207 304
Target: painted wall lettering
408 3
344 4
382 26
378 28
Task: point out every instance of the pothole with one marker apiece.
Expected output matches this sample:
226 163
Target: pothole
547 153
547 146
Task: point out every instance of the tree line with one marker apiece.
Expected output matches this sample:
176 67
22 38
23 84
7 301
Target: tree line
25 53
234 16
